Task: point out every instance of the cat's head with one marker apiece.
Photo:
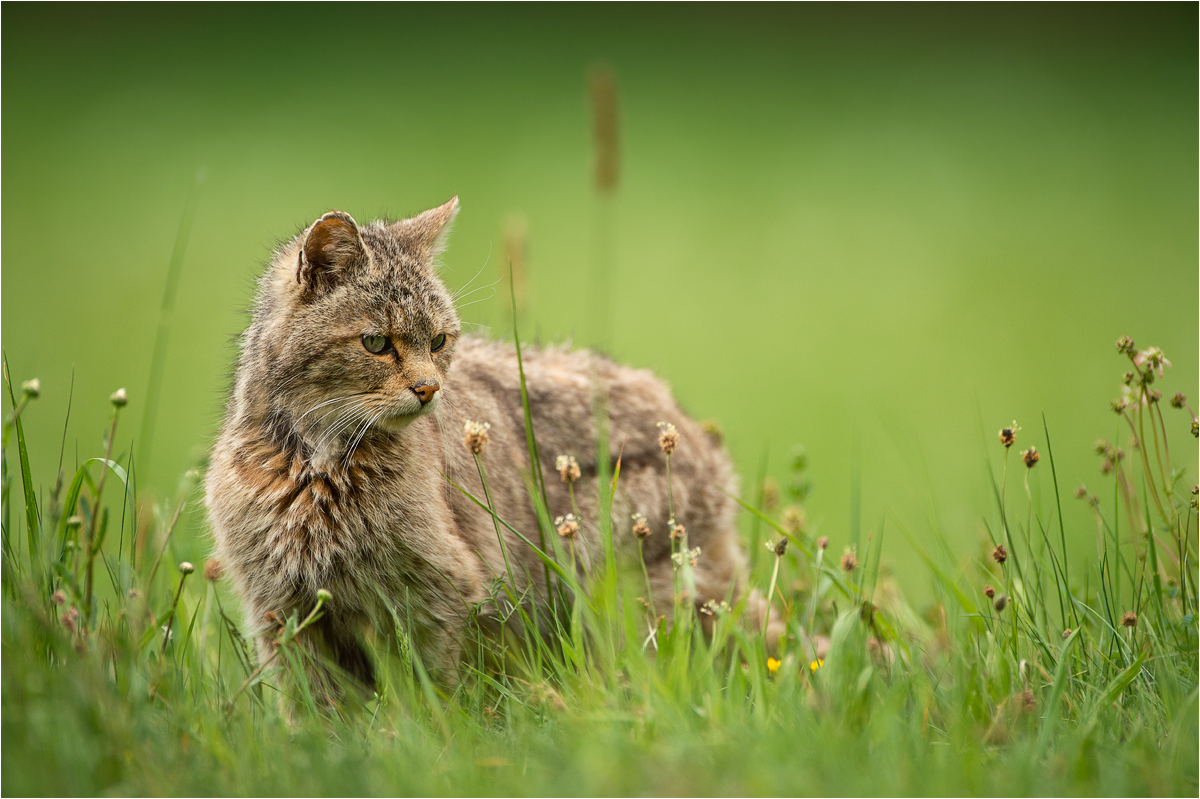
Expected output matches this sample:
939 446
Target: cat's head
353 329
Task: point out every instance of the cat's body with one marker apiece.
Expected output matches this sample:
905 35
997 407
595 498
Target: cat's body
332 470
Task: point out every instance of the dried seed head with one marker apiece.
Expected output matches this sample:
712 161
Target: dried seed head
694 555
213 570
70 620
669 438
1009 434
567 468
32 388
849 561
1129 619
1125 345
602 86
567 526
58 598
476 436
794 520
119 398
770 495
1067 633
1081 492
678 531
1001 603
823 543
1179 400
989 592
1153 359
714 608
1000 554
780 548
640 528
1031 457
1026 701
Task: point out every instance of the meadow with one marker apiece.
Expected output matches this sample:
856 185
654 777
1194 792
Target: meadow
895 232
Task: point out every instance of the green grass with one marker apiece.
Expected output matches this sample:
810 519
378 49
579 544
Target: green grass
950 698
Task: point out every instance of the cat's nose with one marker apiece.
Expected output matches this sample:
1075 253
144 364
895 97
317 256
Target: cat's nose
425 391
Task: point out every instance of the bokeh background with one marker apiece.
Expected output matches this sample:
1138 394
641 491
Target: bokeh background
879 231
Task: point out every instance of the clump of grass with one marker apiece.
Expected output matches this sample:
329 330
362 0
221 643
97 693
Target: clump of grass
1073 677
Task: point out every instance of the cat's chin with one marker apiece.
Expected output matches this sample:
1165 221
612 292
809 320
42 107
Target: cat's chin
397 422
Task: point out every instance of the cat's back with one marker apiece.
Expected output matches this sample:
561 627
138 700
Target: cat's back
565 389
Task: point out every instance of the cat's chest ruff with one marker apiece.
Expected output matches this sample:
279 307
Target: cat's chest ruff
324 516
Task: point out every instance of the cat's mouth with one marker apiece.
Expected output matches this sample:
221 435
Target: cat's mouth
400 419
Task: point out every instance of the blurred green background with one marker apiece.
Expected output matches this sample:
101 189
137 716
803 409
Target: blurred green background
883 232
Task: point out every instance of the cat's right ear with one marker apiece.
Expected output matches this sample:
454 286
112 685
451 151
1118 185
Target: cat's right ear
332 247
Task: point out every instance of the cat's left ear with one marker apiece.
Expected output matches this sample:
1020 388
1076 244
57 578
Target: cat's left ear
427 232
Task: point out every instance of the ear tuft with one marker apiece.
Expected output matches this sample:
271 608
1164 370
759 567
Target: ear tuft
332 246
426 233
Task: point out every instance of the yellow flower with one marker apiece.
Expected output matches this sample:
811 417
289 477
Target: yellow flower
772 665
816 664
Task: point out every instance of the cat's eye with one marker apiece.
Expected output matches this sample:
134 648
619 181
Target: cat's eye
438 342
374 344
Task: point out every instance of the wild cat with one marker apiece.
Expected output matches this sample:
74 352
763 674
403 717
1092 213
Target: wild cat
344 430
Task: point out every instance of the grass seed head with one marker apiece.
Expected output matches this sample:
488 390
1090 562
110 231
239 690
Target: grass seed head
1125 345
1129 378
1009 434
989 592
476 436
32 388
678 531
58 598
1153 359
640 528
213 570
119 398
1129 619
770 495
567 526
186 568
794 519
849 561
1000 554
780 547
568 468
1067 633
1154 395
1031 457
668 439
823 543
1081 492
1178 400
1000 603
1120 404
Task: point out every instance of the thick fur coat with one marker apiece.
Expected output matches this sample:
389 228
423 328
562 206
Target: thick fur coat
345 426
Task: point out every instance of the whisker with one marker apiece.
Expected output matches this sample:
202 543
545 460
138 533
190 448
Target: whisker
477 274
